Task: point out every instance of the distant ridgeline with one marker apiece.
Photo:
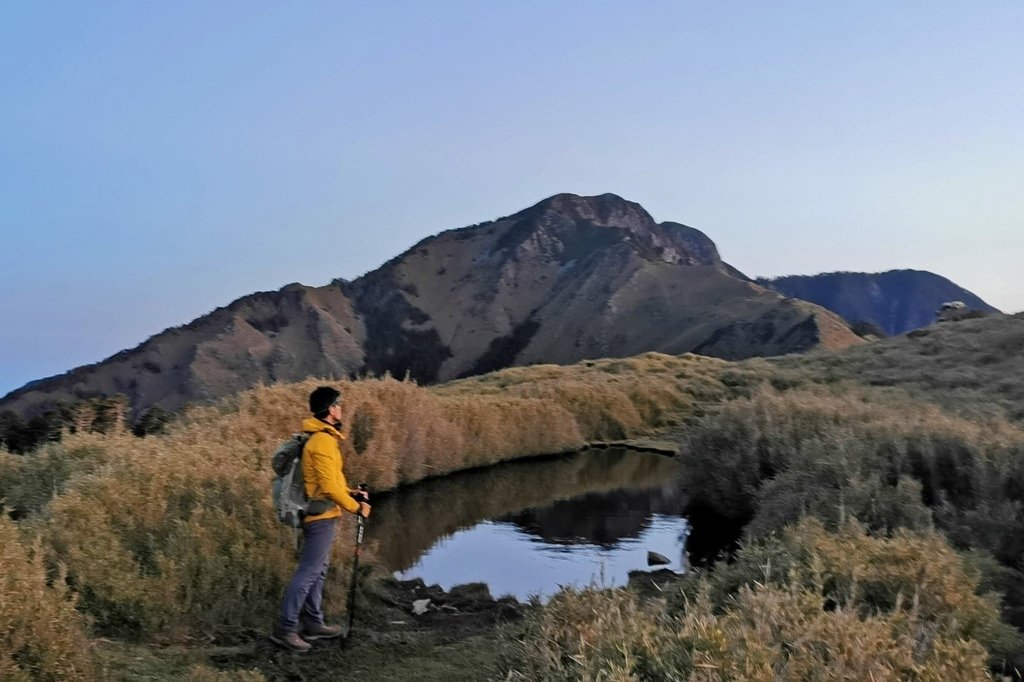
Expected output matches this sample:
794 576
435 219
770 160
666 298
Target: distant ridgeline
896 301
570 278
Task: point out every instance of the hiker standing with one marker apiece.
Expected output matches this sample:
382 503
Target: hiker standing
302 617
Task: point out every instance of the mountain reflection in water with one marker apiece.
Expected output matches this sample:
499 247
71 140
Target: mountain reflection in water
527 527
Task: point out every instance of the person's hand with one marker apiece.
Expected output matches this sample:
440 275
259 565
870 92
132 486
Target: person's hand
364 510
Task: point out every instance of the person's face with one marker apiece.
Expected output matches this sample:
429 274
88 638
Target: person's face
334 411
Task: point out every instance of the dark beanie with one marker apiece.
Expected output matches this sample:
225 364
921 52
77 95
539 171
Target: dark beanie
321 398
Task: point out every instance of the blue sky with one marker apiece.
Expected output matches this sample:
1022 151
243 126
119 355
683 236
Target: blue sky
158 160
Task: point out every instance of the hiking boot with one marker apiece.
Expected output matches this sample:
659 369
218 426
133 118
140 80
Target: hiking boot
313 631
290 641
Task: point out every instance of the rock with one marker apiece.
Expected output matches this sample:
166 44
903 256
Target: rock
420 590
653 583
470 597
655 559
420 606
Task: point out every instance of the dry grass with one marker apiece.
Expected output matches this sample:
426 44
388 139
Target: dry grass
203 673
172 537
894 462
971 367
42 637
808 621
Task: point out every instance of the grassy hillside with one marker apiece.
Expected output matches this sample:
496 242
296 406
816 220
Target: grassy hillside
169 539
971 367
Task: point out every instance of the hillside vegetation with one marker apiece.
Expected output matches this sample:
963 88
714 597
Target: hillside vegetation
972 367
171 538
901 450
809 605
855 476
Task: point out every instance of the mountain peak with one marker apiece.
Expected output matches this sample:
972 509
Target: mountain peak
569 226
603 210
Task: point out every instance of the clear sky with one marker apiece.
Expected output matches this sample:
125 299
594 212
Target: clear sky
158 160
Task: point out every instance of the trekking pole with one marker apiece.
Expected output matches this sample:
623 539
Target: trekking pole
360 525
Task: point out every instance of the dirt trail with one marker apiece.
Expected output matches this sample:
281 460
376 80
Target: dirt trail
460 636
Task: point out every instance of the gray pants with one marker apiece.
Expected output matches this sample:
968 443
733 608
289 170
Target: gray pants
305 592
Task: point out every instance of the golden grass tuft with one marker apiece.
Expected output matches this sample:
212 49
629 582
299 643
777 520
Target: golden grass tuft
42 637
914 572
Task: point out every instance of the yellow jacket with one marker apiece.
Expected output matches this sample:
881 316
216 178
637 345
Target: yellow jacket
322 469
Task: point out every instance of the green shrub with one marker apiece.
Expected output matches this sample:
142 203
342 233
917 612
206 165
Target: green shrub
890 461
28 482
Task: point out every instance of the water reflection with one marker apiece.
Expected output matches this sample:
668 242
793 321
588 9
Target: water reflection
527 527
602 519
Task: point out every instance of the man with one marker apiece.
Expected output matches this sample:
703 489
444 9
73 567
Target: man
302 618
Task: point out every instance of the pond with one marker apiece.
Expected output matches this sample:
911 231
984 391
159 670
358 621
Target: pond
527 527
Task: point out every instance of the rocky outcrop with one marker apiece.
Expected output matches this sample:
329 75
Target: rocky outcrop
582 277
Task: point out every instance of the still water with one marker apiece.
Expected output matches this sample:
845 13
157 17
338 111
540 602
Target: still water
526 528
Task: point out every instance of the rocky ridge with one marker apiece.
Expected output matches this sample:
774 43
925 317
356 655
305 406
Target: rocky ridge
567 279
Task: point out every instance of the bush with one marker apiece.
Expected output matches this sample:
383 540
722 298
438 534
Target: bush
152 422
891 461
28 482
828 607
852 569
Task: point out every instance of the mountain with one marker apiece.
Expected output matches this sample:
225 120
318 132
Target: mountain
896 301
569 278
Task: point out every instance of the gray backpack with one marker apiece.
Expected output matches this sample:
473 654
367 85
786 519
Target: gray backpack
288 490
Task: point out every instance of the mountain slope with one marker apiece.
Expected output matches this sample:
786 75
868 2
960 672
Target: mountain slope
897 301
268 337
569 278
580 277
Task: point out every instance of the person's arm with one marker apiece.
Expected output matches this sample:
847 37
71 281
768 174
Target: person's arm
326 460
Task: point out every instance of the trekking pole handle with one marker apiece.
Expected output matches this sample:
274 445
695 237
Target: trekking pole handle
362 496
